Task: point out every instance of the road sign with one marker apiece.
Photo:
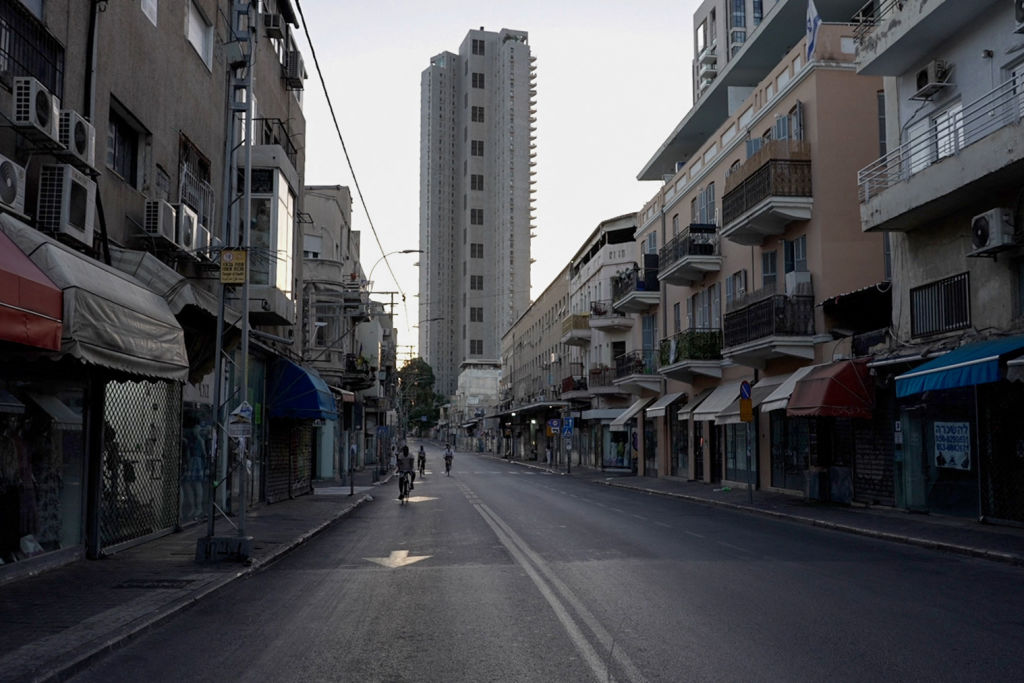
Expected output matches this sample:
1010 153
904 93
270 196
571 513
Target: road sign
232 266
745 389
567 426
746 410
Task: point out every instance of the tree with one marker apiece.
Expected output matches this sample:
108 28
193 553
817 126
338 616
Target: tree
418 404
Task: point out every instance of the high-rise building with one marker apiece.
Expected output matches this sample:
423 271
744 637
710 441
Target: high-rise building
476 179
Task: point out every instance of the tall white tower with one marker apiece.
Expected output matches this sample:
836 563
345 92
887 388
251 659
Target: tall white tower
476 199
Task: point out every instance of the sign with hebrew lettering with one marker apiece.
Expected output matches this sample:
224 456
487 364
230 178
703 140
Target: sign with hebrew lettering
953 445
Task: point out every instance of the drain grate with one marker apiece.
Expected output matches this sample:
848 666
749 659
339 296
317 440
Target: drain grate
154 583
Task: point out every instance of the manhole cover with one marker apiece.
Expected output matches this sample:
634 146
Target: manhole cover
154 583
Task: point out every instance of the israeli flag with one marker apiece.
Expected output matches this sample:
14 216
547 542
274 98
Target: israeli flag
813 22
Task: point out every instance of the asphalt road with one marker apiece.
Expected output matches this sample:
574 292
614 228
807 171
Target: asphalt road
502 573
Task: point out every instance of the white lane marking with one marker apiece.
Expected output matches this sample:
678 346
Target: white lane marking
525 556
667 526
694 534
734 547
398 558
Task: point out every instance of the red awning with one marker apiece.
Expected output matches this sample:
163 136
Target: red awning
31 306
841 389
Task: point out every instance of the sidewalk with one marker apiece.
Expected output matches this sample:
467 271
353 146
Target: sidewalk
56 622
948 534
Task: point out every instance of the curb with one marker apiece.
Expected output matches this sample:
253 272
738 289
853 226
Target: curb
65 670
953 548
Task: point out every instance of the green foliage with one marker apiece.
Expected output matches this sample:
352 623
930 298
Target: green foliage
416 394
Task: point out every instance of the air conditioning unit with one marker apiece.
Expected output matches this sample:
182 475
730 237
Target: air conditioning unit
187 228
160 219
12 186
294 70
36 110
273 25
932 79
78 136
798 282
992 231
67 203
203 243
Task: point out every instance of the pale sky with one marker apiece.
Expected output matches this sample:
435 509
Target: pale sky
613 80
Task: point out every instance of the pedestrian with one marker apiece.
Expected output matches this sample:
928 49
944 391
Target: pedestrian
547 454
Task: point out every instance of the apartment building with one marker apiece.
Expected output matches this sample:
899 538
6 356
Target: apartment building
946 190
476 198
120 201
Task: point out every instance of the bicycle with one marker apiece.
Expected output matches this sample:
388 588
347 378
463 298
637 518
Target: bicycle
404 482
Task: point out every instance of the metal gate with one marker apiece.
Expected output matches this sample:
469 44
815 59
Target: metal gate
141 460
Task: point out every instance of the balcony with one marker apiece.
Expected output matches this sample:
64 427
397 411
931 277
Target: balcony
637 290
688 256
691 352
637 372
770 326
575 385
576 329
769 191
603 316
357 374
601 381
890 33
953 162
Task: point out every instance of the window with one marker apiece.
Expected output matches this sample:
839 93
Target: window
476 216
769 268
476 347
705 206
476 182
758 13
675 224
735 286
1018 311
795 254
478 80
949 131
478 46
738 18
123 144
881 123
149 9
476 250
476 282
199 32
676 318
476 314
326 323
311 246
476 148
477 114
701 41
716 306
941 306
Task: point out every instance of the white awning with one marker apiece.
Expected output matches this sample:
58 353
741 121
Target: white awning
601 414
1015 370
110 318
758 392
659 407
722 396
619 423
778 399
685 411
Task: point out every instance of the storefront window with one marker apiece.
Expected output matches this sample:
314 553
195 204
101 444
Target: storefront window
679 435
41 470
736 443
791 444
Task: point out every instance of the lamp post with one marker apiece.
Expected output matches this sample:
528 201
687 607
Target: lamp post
369 278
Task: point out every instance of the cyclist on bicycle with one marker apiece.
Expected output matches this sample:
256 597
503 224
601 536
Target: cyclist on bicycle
406 472
421 460
448 460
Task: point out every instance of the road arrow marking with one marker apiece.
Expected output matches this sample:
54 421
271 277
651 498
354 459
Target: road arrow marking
399 558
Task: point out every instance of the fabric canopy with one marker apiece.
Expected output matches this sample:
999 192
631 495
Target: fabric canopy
30 304
841 389
686 410
619 423
110 319
1015 370
758 392
298 393
722 396
779 398
976 363
659 407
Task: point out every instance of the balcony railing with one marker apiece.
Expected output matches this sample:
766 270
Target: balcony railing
696 344
947 136
275 132
699 239
573 384
777 315
775 178
871 15
601 376
575 321
640 362
634 281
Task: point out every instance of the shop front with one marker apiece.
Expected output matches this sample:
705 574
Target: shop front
625 441
959 442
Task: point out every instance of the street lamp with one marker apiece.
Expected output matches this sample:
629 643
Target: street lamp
369 278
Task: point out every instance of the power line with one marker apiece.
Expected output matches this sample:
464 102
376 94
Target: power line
341 139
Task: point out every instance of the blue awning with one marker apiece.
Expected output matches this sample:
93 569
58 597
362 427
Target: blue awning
298 393
972 364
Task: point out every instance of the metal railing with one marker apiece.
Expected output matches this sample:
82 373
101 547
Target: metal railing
695 344
634 281
575 321
640 362
699 239
773 316
775 178
275 132
871 15
942 306
946 136
601 376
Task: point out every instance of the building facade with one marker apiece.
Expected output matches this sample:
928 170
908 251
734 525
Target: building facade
476 198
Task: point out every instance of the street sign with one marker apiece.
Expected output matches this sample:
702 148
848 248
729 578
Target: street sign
567 426
232 267
746 410
745 389
238 429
